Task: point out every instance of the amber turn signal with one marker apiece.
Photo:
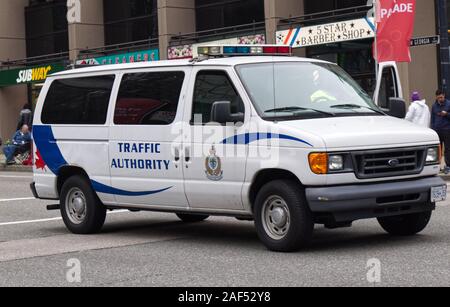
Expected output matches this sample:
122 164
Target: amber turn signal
318 162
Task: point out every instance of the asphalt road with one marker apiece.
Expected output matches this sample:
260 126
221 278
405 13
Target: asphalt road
153 249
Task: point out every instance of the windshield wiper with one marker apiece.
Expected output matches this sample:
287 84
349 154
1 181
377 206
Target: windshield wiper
293 109
356 106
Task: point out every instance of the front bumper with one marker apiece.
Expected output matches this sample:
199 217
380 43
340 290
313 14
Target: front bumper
33 190
353 202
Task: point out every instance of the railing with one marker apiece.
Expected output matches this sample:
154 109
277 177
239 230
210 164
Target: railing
218 33
120 48
34 61
352 12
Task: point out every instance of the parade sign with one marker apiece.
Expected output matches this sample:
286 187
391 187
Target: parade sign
132 57
327 33
395 26
28 75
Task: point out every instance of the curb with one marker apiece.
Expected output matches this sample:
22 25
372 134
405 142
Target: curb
16 168
445 177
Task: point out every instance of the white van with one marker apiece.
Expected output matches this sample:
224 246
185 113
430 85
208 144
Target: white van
245 132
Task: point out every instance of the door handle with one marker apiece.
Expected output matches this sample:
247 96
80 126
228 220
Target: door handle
177 155
187 154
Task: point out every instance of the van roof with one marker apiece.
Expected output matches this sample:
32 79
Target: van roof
227 61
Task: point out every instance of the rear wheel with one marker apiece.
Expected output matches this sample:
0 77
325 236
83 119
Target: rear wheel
283 220
192 218
81 209
405 225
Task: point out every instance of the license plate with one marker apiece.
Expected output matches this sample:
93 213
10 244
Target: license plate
438 194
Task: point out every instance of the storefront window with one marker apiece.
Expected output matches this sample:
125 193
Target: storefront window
448 16
314 6
46 27
214 14
355 56
130 20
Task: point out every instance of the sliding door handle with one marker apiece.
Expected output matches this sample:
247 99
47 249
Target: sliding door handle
177 155
187 154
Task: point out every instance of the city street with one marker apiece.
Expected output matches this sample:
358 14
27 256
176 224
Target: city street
154 249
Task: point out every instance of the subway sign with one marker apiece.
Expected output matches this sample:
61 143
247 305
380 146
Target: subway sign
28 75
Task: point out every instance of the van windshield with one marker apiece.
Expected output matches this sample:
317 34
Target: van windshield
290 91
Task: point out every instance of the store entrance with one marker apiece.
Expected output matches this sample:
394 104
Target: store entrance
355 57
33 94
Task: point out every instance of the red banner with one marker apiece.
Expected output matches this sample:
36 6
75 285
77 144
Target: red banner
395 26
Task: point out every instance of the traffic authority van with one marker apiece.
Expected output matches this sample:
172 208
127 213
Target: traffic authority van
249 132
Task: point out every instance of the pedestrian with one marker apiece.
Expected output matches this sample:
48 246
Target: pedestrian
440 122
418 112
21 142
25 117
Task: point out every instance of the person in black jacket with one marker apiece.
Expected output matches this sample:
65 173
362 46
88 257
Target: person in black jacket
26 117
440 122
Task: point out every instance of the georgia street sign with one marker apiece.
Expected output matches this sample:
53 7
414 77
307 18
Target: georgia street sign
428 40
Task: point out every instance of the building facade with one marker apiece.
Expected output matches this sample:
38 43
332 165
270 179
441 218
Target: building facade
39 37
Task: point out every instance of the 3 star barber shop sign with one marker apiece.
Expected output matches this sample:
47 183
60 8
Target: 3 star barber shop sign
28 75
327 33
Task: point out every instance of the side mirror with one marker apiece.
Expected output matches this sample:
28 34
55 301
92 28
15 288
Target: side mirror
221 113
397 108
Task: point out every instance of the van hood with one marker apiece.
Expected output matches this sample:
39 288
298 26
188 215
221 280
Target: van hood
361 131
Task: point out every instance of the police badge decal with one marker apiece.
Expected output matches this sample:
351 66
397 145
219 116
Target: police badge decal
213 166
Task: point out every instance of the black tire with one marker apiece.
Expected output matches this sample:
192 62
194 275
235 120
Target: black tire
299 233
95 212
405 225
192 218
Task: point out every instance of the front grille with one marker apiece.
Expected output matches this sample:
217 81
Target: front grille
389 163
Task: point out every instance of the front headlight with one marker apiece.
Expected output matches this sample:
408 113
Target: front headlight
323 163
433 155
335 163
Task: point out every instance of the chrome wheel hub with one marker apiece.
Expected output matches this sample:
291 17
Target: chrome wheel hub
276 217
76 206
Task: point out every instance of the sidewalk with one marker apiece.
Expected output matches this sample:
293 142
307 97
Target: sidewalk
13 168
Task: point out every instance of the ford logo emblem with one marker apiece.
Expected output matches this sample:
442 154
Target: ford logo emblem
393 162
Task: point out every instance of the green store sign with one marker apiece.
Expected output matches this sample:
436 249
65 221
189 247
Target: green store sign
28 75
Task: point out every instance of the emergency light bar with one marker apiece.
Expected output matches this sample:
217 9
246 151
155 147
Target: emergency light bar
244 50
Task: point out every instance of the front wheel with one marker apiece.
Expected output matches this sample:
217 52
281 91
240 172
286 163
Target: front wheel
283 220
405 225
81 209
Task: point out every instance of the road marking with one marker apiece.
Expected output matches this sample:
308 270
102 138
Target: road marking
48 220
16 199
69 243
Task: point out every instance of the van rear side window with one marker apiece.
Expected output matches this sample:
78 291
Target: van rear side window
149 98
78 101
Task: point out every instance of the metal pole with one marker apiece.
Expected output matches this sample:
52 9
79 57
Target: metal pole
373 14
444 46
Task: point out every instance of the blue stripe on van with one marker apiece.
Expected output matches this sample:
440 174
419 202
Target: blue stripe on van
245 139
51 154
46 144
101 188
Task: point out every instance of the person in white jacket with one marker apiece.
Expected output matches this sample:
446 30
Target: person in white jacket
419 112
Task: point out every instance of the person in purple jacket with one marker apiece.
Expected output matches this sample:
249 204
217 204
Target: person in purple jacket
440 122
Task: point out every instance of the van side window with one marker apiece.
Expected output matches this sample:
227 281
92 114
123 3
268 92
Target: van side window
212 86
78 101
149 98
